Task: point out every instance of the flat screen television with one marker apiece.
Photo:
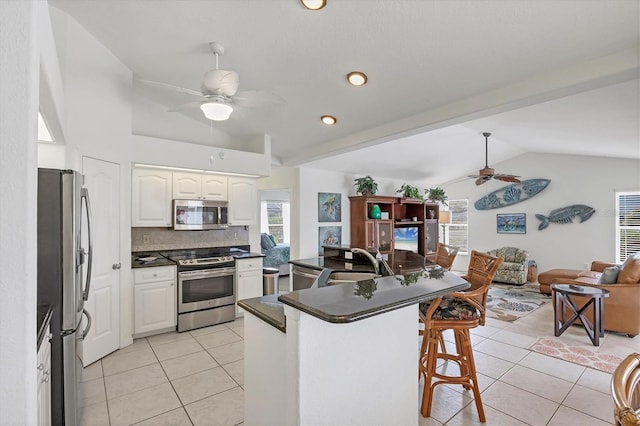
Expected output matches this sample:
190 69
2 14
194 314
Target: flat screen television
406 238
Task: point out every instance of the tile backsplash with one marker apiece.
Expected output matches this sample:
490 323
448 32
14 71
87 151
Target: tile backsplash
151 239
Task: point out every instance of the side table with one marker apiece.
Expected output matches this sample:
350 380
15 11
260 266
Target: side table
562 294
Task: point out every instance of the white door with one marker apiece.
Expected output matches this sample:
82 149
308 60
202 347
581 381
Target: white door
102 180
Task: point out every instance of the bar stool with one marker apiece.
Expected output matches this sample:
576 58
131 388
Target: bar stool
445 255
460 312
625 391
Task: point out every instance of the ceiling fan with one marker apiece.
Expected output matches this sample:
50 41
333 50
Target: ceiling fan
219 92
487 173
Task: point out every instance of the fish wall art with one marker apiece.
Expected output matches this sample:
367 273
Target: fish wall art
566 215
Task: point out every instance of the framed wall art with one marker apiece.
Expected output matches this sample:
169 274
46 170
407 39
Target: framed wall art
512 223
328 236
329 207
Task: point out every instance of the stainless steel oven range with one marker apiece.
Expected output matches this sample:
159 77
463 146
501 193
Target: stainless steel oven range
206 288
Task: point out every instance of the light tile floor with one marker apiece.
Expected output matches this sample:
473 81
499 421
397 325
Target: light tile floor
196 378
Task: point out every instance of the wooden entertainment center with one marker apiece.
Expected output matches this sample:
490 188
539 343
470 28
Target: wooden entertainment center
400 215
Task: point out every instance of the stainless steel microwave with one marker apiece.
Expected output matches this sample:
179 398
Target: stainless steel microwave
195 215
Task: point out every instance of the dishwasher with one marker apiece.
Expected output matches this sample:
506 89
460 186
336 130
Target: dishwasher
303 277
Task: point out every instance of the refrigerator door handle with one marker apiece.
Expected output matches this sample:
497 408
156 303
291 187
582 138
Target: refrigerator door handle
85 196
86 330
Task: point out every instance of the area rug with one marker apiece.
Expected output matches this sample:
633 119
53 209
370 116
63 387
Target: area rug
510 302
576 354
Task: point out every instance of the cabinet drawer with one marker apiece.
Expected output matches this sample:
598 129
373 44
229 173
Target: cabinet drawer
248 264
151 274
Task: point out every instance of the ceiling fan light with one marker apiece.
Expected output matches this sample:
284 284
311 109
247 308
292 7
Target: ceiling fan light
357 78
328 119
216 111
314 4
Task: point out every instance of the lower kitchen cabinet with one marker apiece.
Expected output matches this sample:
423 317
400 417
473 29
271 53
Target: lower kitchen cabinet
155 293
248 279
44 381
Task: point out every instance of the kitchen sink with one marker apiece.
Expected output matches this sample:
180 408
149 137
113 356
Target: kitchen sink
349 277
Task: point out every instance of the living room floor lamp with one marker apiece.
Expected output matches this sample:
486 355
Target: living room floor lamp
444 217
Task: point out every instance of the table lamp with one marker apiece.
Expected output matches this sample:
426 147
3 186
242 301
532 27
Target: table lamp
444 217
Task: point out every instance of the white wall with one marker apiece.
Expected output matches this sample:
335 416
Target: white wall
574 180
19 53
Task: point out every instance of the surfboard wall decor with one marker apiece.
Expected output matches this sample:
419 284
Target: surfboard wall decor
511 194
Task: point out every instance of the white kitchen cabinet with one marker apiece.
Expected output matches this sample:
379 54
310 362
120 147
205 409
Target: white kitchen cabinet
248 279
199 186
155 304
44 380
243 201
215 187
151 197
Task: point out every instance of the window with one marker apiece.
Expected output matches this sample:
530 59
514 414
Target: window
275 219
627 224
458 229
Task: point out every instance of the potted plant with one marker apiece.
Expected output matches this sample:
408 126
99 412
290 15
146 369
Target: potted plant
410 191
436 194
366 185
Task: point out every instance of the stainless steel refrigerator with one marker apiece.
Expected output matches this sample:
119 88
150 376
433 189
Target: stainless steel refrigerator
64 274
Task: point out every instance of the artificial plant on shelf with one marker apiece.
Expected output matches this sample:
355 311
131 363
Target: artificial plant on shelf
437 194
366 185
410 192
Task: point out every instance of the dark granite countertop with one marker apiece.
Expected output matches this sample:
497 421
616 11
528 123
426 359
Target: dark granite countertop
267 308
347 302
401 261
159 261
42 321
247 255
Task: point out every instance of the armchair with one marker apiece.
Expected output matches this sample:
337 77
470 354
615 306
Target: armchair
515 266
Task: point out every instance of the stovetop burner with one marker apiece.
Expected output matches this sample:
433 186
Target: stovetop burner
210 257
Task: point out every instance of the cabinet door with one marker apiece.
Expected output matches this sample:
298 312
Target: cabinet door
243 201
249 285
155 306
214 187
430 236
384 236
187 186
151 197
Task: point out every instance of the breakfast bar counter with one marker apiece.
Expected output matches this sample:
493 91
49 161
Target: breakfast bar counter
344 354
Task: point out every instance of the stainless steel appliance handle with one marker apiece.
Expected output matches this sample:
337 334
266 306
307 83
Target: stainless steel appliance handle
206 273
85 293
86 330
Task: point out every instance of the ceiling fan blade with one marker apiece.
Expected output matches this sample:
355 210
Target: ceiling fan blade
170 87
258 99
507 178
186 106
482 179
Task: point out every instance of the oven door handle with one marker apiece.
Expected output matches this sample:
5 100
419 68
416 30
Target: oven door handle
207 273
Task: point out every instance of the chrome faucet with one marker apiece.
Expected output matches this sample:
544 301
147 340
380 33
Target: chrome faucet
373 260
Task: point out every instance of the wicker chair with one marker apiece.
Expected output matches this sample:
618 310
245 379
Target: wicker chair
460 312
445 255
625 391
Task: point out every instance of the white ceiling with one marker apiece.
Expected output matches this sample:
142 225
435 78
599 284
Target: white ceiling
555 77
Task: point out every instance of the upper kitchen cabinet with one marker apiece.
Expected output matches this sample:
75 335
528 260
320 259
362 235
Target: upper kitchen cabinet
199 186
243 201
151 197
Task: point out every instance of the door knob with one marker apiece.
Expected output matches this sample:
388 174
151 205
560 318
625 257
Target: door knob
116 266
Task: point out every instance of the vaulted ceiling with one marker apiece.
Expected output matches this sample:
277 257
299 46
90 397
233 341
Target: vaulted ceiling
554 77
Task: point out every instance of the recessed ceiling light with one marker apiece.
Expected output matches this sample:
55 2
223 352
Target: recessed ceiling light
328 119
314 4
357 78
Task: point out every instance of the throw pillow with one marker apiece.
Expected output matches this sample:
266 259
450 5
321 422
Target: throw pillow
609 275
265 242
630 272
273 239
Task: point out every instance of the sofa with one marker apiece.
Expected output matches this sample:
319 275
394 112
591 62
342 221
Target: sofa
515 266
622 307
276 255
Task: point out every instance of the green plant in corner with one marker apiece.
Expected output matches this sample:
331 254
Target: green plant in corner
410 191
366 185
436 194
